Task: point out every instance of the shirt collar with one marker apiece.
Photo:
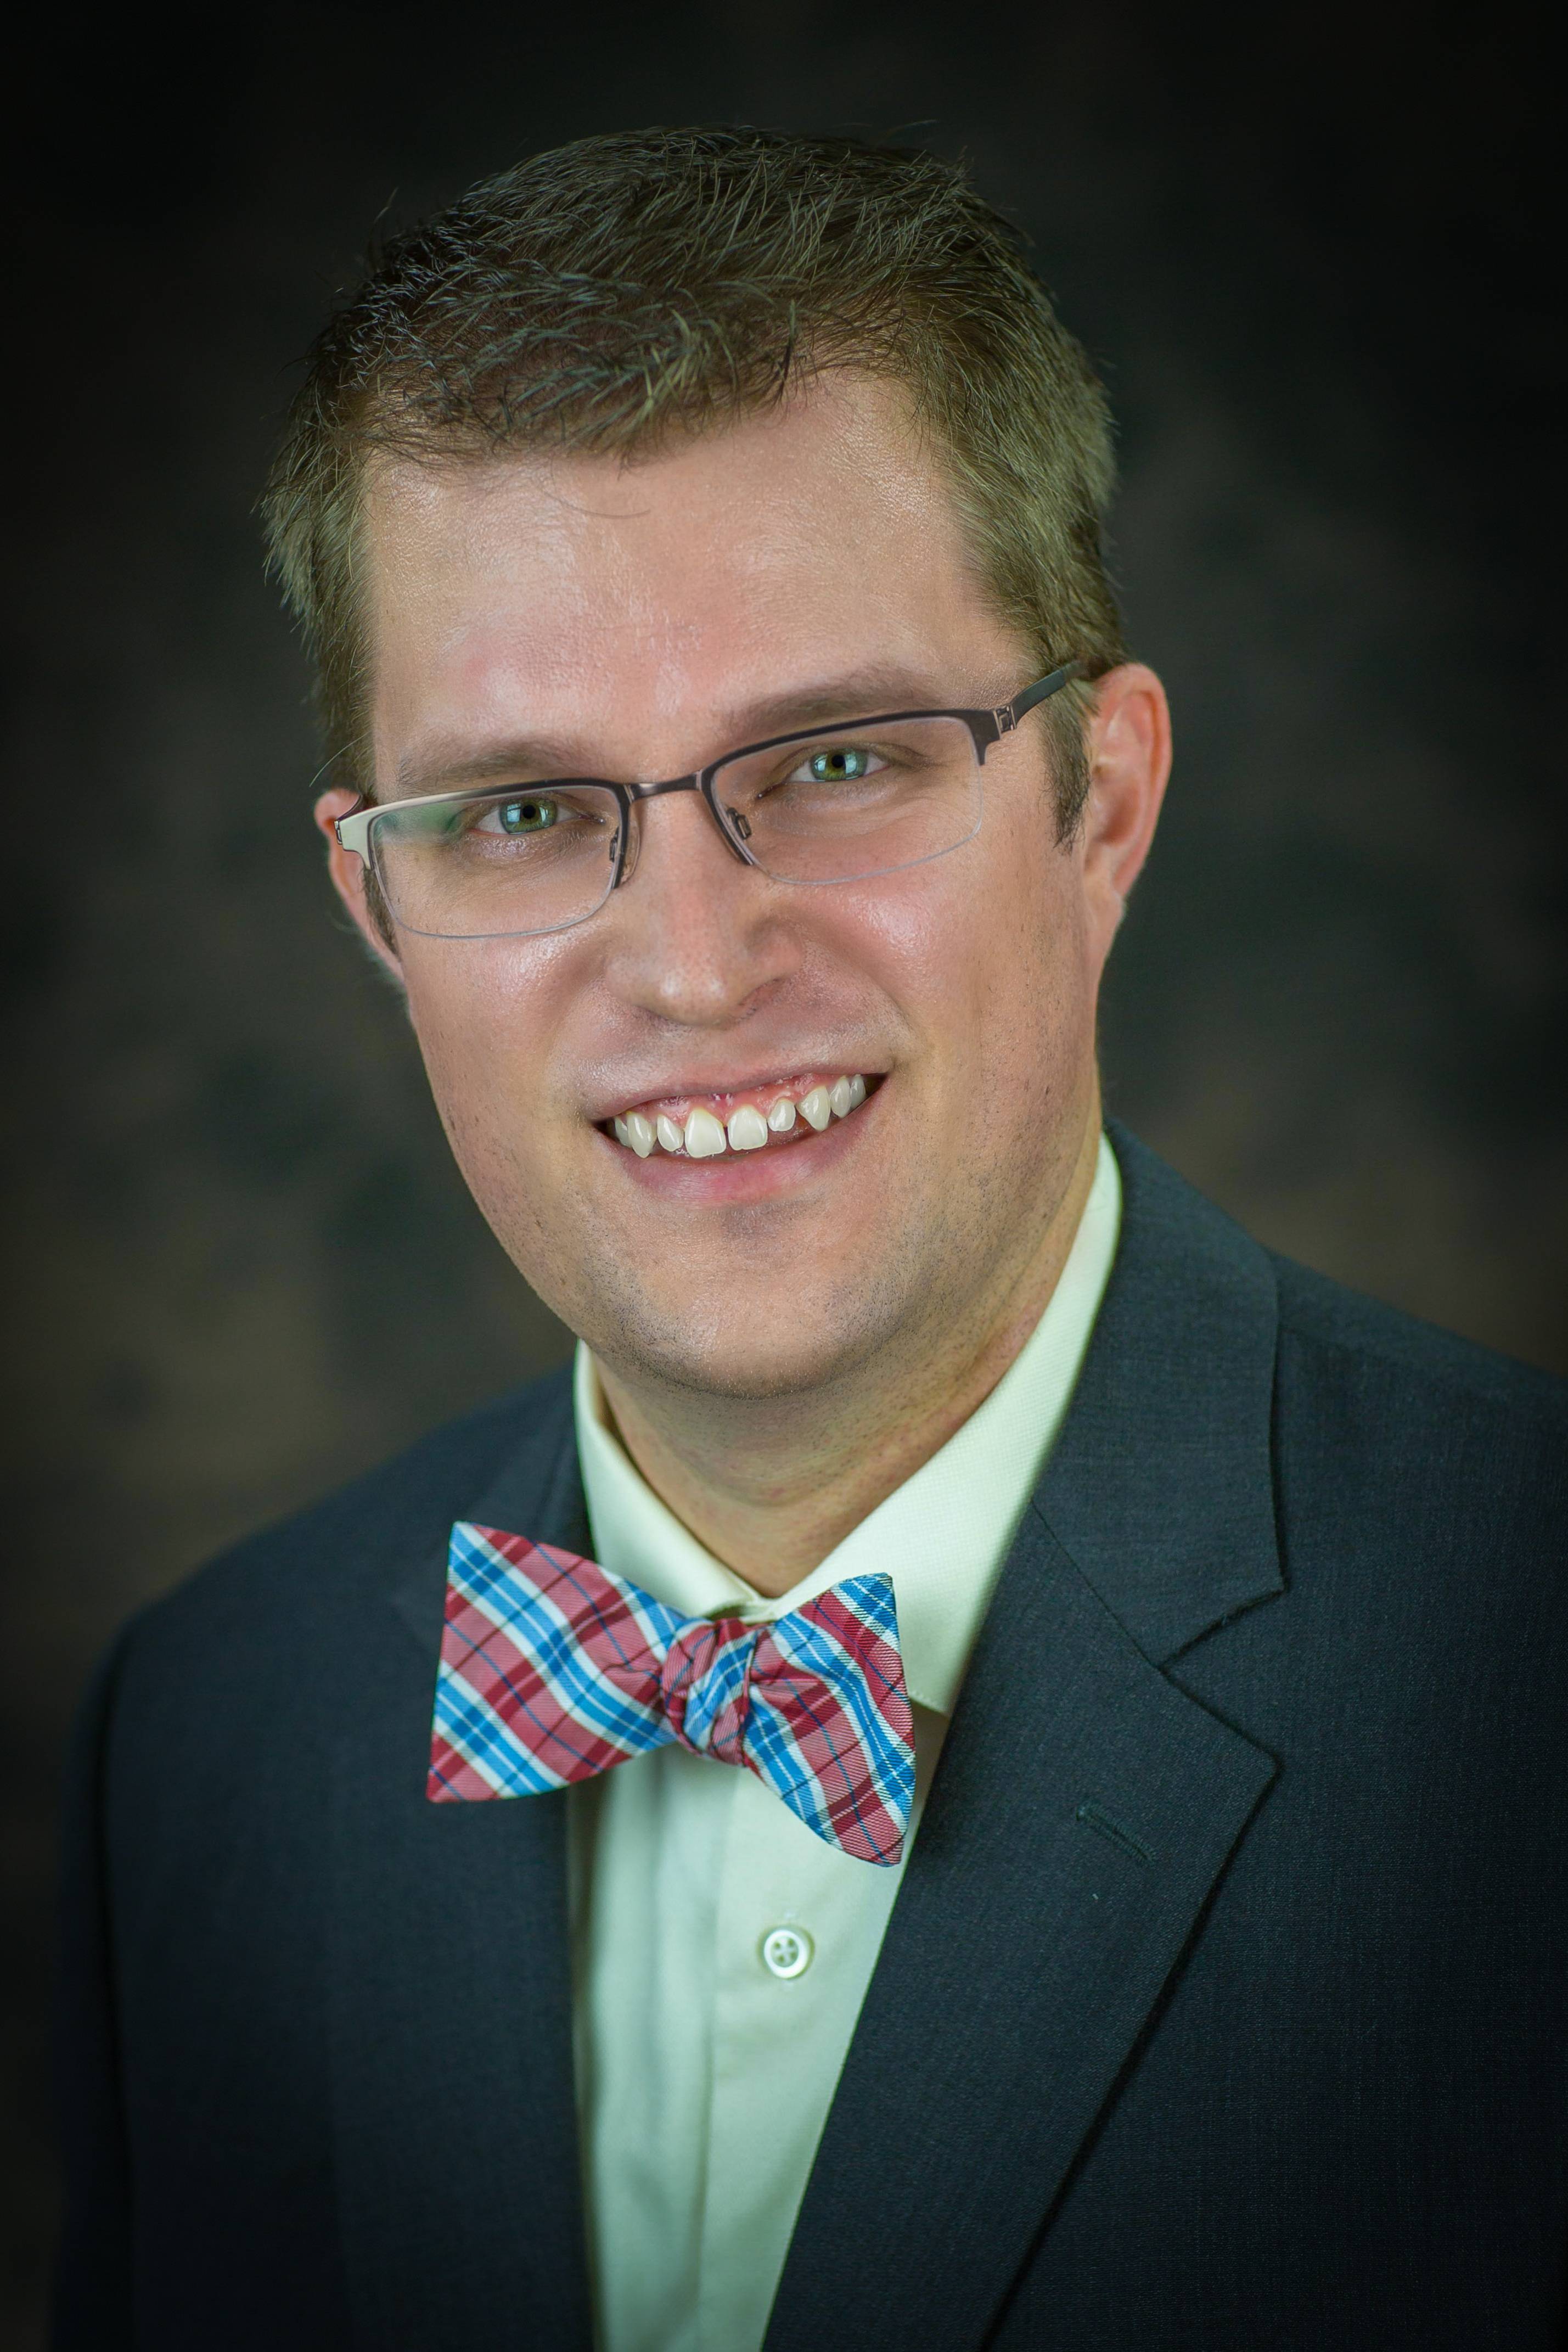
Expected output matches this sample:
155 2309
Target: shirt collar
942 1537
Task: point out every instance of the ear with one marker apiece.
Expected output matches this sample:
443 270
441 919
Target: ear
348 875
1129 746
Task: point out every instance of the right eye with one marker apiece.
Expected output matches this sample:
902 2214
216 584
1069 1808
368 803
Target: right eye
530 813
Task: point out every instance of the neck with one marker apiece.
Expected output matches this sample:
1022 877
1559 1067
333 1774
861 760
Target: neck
772 1492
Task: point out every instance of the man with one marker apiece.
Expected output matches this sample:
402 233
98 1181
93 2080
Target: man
988 1769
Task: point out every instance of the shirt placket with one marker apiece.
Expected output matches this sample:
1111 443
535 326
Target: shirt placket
798 1924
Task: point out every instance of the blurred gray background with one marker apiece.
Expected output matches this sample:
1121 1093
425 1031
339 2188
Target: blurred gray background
1313 254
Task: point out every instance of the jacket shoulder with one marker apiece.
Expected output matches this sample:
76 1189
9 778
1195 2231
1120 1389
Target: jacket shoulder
363 1533
1397 1443
1434 1370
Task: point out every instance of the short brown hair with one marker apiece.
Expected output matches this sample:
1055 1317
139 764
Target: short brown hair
601 296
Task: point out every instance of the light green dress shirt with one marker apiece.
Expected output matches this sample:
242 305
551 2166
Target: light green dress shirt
721 1949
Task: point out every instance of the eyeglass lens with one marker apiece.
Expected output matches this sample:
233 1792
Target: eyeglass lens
838 806
528 860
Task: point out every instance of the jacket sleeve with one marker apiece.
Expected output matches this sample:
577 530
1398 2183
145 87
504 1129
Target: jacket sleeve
92 2299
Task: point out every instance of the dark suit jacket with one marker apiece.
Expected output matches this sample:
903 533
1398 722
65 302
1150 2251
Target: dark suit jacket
1224 2004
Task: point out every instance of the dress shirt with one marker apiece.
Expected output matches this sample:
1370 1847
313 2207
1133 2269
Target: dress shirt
721 1949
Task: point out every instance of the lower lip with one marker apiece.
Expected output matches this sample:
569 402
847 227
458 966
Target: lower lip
770 1174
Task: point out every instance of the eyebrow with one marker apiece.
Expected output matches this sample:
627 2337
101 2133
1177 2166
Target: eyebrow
860 694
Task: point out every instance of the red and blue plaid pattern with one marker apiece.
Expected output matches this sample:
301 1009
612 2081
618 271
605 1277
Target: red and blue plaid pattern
553 1670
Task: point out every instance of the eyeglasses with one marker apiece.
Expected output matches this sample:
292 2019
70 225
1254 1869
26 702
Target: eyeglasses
839 804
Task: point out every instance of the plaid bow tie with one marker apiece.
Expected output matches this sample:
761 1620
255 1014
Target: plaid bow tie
552 1670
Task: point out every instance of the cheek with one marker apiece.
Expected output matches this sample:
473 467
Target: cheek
486 1016
982 953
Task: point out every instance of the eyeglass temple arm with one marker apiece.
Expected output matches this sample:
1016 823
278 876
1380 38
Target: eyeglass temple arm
352 828
1007 717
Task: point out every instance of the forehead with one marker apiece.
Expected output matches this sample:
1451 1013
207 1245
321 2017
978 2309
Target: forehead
812 542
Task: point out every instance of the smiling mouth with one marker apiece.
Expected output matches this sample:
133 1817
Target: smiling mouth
768 1117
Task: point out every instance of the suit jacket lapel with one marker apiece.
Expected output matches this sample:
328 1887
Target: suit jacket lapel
1081 1813
451 1994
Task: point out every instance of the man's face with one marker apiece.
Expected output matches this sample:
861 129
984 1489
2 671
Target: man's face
635 623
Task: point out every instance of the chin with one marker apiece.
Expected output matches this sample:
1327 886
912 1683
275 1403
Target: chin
731 1348
731 1365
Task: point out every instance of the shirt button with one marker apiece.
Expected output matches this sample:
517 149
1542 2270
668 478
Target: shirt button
787 1951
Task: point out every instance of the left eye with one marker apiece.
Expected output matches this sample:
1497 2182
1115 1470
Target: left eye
841 765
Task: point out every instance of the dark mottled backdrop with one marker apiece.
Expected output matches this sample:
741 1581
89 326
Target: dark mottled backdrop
1310 257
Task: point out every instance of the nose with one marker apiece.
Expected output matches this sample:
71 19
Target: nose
696 937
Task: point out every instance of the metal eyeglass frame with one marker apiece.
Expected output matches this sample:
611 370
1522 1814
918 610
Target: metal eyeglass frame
986 727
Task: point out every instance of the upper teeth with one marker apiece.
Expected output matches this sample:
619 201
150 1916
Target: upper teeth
704 1137
747 1128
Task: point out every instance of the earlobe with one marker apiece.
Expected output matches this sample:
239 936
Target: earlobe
1130 760
348 876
